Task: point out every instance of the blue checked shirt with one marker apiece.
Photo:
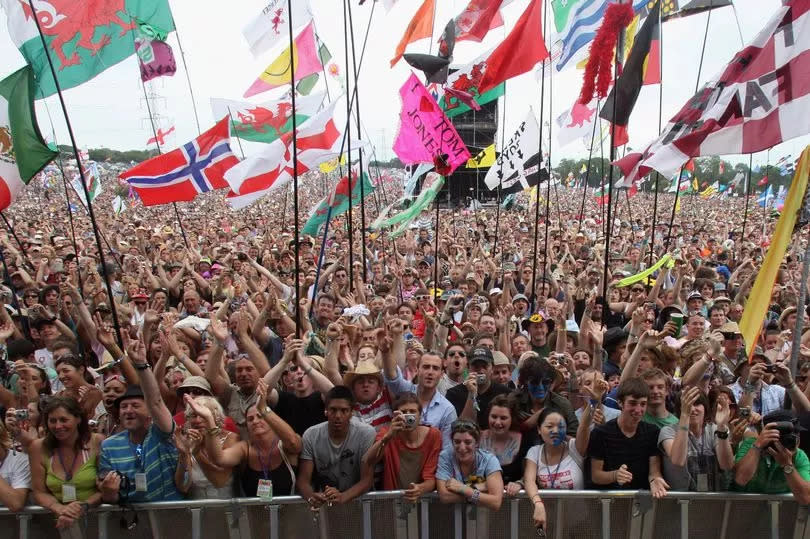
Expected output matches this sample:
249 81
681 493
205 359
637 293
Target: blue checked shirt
439 413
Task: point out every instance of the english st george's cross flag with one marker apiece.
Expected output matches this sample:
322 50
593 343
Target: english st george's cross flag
305 61
271 26
267 121
318 140
425 134
23 152
759 100
84 37
196 167
516 167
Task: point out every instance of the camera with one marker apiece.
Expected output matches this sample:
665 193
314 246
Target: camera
410 420
21 415
770 368
745 412
480 379
788 436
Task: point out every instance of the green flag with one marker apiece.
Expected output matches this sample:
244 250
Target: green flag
23 152
84 38
339 202
466 79
404 217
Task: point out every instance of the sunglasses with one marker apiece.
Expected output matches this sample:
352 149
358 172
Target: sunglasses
422 298
637 290
31 295
457 353
196 391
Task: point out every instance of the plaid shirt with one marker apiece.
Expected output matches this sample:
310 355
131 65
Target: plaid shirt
767 398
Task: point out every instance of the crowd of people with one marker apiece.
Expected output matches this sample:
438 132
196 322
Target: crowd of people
233 375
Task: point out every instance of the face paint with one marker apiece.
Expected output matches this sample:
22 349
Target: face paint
537 391
560 435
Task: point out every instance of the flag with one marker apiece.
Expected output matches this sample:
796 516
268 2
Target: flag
266 121
420 27
740 176
483 159
433 183
332 164
426 135
478 18
155 56
766 197
710 190
652 63
84 38
763 182
760 298
318 140
278 73
307 84
516 168
271 27
625 92
695 186
745 109
522 49
576 123
23 152
779 203
119 205
467 79
410 183
196 167
93 178
577 21
721 168
673 9
160 137
339 202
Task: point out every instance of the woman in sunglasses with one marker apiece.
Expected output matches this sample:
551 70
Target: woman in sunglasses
73 374
467 473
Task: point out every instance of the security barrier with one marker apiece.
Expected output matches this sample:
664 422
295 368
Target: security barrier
579 514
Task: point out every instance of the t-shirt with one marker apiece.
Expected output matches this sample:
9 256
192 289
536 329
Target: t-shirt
609 444
15 470
660 422
457 395
608 412
485 465
404 465
701 459
300 412
769 477
340 465
157 458
567 475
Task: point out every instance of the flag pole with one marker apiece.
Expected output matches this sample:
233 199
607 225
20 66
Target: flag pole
17 239
81 174
188 77
360 151
801 309
588 171
533 296
660 113
348 138
503 146
160 152
540 160
238 140
295 179
747 195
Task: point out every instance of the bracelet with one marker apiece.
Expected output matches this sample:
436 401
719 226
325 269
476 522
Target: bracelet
615 476
475 496
539 499
140 366
213 431
756 447
683 428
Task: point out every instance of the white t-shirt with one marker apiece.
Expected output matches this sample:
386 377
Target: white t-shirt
567 476
15 470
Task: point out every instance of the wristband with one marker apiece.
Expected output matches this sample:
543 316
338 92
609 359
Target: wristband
213 431
140 366
683 428
475 496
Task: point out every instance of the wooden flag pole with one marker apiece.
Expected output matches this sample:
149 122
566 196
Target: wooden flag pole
100 247
295 180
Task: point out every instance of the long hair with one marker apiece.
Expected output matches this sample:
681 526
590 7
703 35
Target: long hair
71 406
78 363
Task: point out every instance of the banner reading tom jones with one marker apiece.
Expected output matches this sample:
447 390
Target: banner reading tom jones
425 133
510 168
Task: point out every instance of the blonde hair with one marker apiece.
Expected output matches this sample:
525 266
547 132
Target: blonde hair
212 404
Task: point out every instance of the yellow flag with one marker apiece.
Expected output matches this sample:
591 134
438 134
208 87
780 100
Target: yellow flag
332 164
757 306
485 158
678 205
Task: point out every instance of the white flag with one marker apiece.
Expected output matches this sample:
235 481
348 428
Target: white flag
523 145
577 123
272 26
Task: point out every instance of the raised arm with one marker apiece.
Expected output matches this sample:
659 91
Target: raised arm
213 368
151 392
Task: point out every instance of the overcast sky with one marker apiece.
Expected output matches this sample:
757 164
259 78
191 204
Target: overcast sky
109 111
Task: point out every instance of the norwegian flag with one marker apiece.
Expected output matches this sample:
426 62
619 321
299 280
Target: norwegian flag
761 98
318 140
198 166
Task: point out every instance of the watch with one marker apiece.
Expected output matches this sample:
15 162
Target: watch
722 434
788 469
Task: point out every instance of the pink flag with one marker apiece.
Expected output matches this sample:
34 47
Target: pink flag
305 61
425 133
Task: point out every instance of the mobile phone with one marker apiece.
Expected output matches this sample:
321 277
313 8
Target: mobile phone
745 412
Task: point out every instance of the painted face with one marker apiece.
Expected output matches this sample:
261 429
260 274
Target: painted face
538 391
553 430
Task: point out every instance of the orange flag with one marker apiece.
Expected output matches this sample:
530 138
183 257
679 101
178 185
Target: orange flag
421 27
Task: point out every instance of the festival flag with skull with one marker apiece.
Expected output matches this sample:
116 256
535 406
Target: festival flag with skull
517 167
84 38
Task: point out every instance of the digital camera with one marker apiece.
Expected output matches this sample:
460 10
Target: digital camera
410 420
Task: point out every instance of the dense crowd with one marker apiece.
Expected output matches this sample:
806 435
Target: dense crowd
383 377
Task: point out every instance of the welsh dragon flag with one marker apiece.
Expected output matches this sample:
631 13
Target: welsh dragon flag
23 152
265 122
93 178
338 200
466 80
84 37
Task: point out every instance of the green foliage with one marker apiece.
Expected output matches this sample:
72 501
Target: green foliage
105 155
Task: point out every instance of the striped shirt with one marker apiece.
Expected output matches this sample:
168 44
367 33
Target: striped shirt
378 414
156 456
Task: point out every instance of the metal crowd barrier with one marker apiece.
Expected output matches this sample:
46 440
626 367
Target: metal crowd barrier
579 514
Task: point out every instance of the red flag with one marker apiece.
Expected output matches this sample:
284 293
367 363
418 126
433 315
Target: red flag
722 168
478 18
763 182
522 49
690 165
421 27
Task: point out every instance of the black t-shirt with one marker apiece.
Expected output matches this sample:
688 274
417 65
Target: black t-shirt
457 395
300 413
609 444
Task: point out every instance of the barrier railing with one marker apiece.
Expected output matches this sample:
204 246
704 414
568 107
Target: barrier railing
580 514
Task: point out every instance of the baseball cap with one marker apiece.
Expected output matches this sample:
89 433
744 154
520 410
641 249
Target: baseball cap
517 297
481 354
694 295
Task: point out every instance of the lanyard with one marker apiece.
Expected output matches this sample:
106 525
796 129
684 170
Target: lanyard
265 467
552 478
68 472
137 452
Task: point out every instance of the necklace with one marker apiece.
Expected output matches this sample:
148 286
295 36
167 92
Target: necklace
552 478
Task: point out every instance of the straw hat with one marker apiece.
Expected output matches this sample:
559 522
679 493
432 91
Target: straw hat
363 368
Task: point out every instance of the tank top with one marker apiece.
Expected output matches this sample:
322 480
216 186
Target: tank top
280 476
202 488
84 479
